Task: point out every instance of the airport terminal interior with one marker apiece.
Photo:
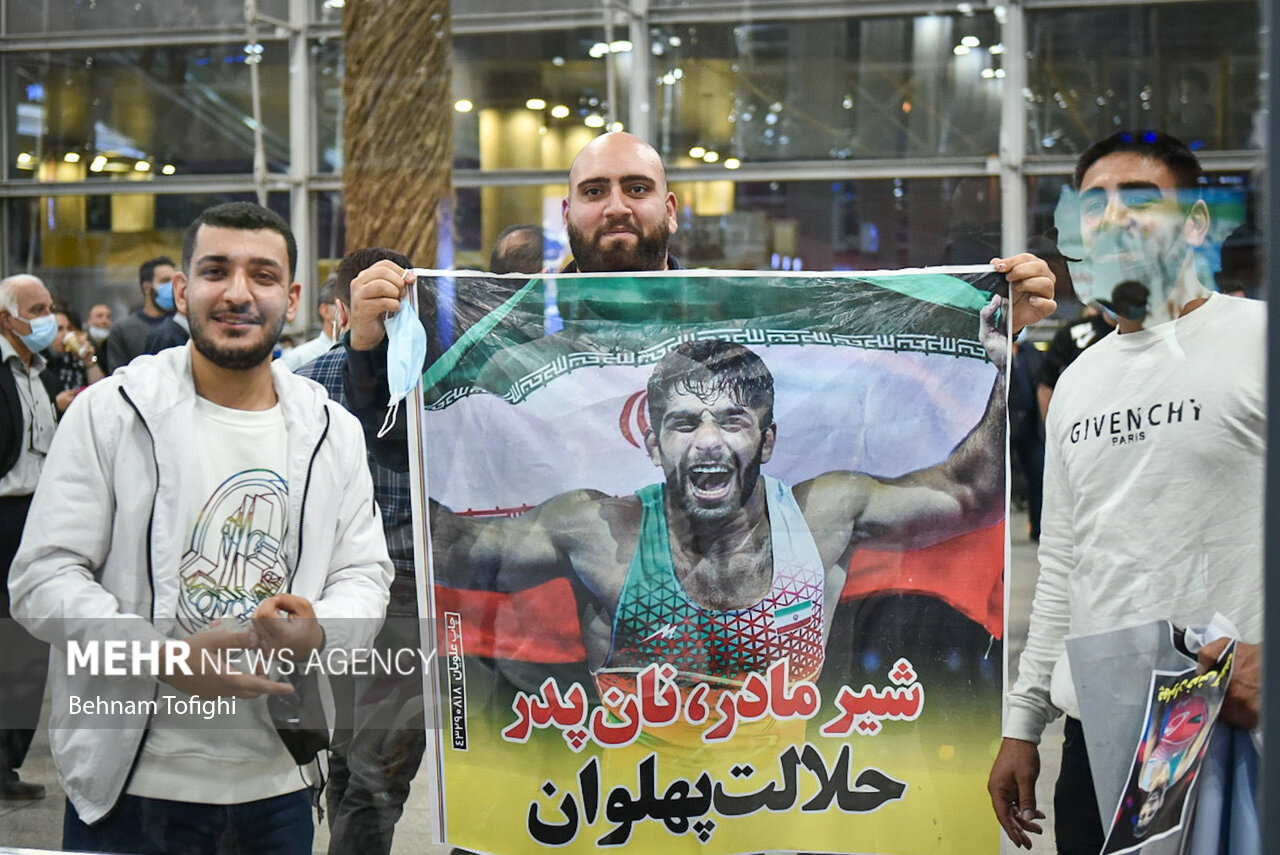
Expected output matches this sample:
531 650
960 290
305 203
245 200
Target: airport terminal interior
844 135
798 135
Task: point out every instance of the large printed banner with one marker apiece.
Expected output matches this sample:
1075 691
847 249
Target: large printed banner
716 559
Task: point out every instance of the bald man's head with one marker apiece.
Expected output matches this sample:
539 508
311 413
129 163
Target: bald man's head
619 212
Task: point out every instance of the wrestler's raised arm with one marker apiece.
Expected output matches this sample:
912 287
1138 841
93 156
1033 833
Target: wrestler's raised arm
846 510
507 553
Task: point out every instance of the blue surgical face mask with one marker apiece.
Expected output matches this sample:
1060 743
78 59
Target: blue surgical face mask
163 293
43 331
406 356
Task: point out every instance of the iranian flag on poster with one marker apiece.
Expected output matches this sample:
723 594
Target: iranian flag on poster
627 676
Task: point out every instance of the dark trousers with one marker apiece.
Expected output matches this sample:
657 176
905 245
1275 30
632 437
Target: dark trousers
25 661
1077 825
1027 449
140 826
377 747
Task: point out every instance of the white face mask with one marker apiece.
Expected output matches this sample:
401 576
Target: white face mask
99 334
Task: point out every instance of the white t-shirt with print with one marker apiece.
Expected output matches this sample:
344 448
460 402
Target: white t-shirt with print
236 501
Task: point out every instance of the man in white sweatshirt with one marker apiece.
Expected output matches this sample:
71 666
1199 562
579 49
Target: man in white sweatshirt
1153 473
200 495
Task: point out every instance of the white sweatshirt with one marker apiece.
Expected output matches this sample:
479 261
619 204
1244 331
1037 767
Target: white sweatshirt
1153 487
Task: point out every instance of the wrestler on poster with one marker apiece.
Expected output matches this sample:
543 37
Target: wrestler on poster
660 528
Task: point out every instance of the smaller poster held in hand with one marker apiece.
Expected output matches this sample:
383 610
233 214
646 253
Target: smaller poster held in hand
1156 804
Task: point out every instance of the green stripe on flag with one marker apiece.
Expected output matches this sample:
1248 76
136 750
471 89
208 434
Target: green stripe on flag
937 288
635 320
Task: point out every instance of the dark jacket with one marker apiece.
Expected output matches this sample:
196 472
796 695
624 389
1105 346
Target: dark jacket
11 432
169 333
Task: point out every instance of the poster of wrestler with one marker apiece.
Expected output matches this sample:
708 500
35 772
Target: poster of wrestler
1157 800
716 560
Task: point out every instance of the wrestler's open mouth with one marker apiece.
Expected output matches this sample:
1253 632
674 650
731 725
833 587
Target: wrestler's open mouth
710 481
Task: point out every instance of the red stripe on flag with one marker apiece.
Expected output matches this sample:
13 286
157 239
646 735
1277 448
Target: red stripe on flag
966 572
539 624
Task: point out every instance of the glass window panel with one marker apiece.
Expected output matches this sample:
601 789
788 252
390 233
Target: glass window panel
329 65
330 239
494 78
1190 69
94 113
87 248
60 16
761 225
496 126
838 225
866 88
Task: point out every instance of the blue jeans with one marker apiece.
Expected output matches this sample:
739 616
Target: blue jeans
141 826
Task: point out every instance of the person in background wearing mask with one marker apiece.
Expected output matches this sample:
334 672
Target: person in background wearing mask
73 360
173 331
27 423
129 337
331 325
99 325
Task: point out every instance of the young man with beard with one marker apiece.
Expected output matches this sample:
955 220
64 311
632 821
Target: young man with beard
619 212
1155 453
199 494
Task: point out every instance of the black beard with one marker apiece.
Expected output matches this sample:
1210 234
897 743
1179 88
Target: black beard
650 253
748 478
236 359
